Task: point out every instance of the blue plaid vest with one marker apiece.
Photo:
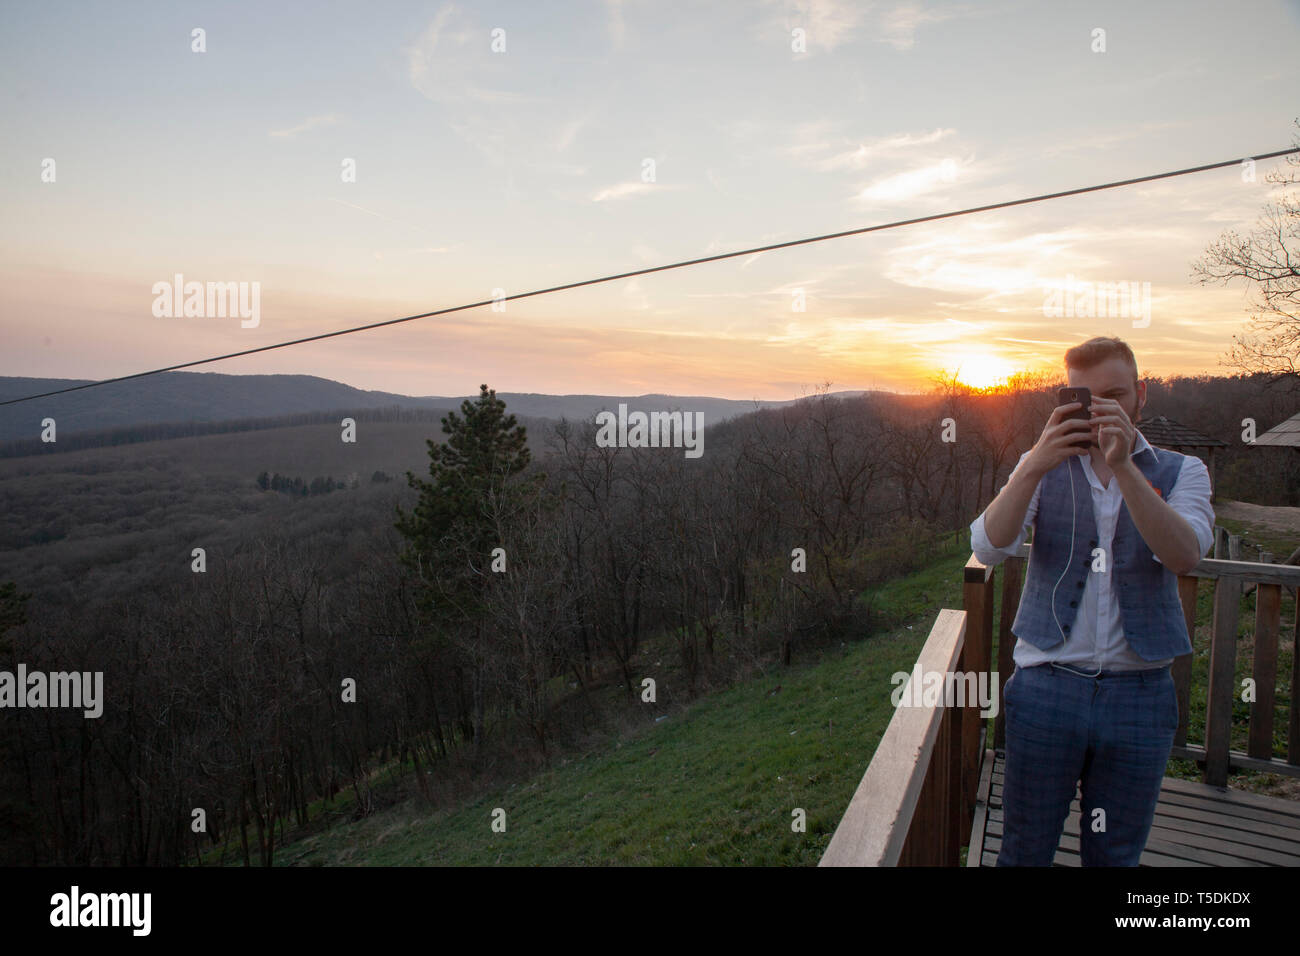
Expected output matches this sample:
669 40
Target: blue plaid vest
1151 613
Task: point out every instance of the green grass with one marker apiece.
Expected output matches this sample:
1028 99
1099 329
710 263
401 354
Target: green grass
1281 545
714 784
1258 537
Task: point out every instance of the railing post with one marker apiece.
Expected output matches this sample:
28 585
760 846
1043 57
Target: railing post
1011 569
1222 687
1268 618
1293 725
1182 666
977 601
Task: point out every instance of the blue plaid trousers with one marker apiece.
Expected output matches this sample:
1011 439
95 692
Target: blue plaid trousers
1110 735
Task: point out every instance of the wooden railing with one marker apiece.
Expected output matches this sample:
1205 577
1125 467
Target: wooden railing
909 808
916 801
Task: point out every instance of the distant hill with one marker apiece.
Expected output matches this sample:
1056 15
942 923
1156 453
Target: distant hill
175 397
180 397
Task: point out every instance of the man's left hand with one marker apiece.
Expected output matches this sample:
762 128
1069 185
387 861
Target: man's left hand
1115 433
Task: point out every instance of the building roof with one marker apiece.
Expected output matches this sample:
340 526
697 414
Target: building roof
1167 433
1286 434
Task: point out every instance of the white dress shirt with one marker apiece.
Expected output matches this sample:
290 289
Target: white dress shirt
1096 640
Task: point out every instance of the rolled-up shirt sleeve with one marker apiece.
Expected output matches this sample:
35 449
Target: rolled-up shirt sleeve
1191 499
980 546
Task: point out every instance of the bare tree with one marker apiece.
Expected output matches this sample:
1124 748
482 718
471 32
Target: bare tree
1269 260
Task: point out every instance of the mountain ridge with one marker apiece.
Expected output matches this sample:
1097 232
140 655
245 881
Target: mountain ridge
178 397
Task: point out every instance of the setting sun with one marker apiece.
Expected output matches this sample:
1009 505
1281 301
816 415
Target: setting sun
982 370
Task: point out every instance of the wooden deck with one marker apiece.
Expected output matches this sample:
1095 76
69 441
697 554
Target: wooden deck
1195 825
928 789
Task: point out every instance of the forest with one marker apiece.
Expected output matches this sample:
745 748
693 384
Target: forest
495 599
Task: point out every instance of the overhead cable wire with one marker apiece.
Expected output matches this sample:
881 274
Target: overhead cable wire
1006 204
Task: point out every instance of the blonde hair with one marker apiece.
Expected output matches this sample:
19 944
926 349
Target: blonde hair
1097 350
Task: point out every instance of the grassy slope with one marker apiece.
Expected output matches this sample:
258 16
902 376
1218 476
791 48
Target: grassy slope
713 785
716 784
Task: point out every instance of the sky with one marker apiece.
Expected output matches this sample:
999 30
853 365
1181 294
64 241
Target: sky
356 162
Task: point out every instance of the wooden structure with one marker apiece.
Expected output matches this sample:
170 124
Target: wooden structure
934 784
1283 435
1164 432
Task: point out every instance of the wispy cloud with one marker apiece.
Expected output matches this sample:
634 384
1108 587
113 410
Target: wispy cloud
898 25
368 212
979 260
864 153
313 122
617 28
627 190
826 23
400 222
832 23
483 97
569 131
634 294
453 62
901 187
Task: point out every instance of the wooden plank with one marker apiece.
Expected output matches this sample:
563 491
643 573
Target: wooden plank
875 826
1268 618
1222 854
1229 816
977 572
975 850
1172 844
1229 810
1287 575
1242 844
1012 570
1237 760
1202 839
1067 854
1194 825
1222 689
1293 725
1240 829
977 601
1181 669
923 844
1242 798
1232 802
928 834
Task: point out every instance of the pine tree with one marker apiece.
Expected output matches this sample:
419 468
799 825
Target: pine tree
452 530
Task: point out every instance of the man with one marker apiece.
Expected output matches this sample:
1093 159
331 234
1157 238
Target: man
1091 701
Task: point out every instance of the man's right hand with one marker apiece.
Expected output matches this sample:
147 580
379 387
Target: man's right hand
1004 518
1059 440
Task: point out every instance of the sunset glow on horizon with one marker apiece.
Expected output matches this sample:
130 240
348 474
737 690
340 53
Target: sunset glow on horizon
984 370
412 162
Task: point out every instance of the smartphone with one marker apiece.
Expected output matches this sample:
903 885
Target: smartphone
1065 396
